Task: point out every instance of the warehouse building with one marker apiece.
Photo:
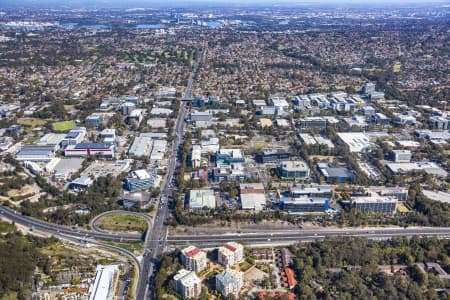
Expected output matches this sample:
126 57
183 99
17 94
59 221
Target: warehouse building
88 149
36 153
202 198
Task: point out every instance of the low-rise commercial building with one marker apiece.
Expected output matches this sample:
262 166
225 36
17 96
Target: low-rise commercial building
199 199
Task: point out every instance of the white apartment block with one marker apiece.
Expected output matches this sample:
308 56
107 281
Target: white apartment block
187 284
193 259
230 254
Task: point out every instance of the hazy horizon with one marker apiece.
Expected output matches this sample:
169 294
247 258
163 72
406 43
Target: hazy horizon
218 3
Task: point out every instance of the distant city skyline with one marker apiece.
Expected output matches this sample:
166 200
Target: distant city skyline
209 3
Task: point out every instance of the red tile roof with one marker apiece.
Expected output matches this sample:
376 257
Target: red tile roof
290 277
230 247
193 252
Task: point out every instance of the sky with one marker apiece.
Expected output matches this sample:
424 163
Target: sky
184 3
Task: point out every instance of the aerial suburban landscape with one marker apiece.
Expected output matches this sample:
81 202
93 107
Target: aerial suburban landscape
205 150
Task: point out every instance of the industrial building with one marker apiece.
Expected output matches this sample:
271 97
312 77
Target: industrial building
187 284
88 149
142 145
36 153
202 198
252 196
51 139
356 141
426 166
293 169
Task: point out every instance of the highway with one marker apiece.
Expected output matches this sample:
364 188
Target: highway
93 222
55 229
156 237
307 235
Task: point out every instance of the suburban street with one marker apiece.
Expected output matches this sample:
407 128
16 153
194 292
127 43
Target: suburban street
156 237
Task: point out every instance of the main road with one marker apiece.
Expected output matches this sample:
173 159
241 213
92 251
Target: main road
156 237
290 236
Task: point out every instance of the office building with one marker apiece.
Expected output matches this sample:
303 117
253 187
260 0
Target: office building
312 122
75 136
401 156
323 191
229 172
94 120
377 204
142 180
273 156
293 169
302 205
81 183
228 156
335 174
229 282
108 135
187 284
193 259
